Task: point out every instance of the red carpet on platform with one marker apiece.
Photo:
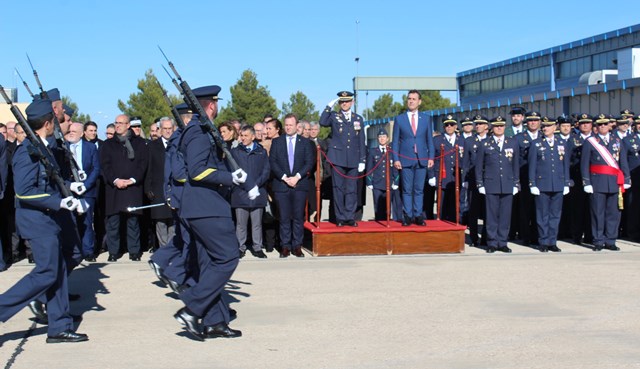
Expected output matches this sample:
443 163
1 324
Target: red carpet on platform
378 238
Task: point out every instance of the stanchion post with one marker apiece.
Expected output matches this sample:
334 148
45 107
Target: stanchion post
440 170
387 165
318 184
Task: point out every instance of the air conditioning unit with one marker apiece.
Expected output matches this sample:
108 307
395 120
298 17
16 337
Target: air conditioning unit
598 76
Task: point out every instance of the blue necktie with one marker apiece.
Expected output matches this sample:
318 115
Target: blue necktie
291 154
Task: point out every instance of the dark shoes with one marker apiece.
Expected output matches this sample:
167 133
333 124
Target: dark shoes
554 248
598 247
221 330
419 221
134 257
298 252
91 259
350 223
190 322
612 247
242 253
74 297
406 221
504 249
30 259
112 258
543 248
67 336
259 254
285 253
38 310
490 250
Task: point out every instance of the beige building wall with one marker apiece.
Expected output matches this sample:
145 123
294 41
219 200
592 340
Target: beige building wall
7 116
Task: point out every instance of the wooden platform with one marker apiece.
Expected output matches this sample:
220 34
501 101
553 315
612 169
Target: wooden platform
376 238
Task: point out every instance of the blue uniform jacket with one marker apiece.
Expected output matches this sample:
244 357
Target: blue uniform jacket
206 173
632 145
4 166
175 170
378 178
256 164
404 140
549 166
471 146
603 183
347 142
449 159
36 196
498 171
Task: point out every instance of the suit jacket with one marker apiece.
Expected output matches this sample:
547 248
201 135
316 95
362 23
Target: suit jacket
347 147
498 171
303 162
115 164
549 166
154 180
404 140
91 166
604 183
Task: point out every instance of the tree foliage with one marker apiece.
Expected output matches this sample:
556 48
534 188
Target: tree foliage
300 105
77 116
148 103
249 102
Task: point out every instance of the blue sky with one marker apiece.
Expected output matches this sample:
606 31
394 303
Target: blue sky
95 51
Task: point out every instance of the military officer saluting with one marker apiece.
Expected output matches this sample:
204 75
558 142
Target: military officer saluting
605 175
548 181
348 153
39 215
498 178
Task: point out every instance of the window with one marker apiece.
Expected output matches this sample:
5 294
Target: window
515 80
491 84
470 89
539 75
575 67
605 60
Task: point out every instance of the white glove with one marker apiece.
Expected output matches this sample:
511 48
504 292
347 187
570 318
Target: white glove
361 167
332 102
515 191
626 186
370 187
239 176
82 175
535 191
482 191
432 181
565 190
78 188
83 206
394 187
253 193
588 189
465 184
69 203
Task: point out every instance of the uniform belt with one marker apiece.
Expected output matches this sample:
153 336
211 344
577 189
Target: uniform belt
610 171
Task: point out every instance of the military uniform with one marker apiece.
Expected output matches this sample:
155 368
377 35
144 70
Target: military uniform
476 200
498 176
604 180
580 200
445 147
525 210
348 153
377 181
632 146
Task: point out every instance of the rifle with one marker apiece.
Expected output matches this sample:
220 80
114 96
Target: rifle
174 111
57 133
25 84
44 154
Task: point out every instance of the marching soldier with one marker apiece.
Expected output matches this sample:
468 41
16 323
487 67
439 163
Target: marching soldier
448 140
498 178
605 175
348 154
548 182
476 199
377 180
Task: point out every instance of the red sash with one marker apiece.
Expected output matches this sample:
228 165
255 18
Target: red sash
610 171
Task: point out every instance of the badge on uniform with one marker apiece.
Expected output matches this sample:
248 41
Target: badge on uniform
356 125
461 151
508 153
561 151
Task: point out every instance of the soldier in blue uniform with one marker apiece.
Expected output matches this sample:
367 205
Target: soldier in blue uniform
377 179
467 132
565 125
605 175
209 217
632 145
476 199
525 209
581 221
449 139
348 153
498 178
39 207
548 182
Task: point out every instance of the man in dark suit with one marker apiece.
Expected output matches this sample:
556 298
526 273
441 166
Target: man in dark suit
347 153
497 176
605 175
154 183
292 159
86 155
123 159
413 153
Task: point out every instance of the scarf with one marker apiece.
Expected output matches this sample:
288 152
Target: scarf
125 139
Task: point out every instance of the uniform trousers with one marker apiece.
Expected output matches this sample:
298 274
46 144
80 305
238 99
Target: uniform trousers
498 218
605 218
243 215
548 210
217 255
174 257
477 210
47 279
345 192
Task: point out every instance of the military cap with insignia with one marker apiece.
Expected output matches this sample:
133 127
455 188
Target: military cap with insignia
183 109
601 119
498 121
449 120
626 113
466 121
517 110
637 119
207 92
562 119
585 118
38 109
546 121
612 119
68 110
622 120
136 122
345 95
480 119
532 115
53 94
382 132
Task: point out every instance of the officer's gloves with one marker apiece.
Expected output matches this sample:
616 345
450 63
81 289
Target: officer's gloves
253 193
534 191
83 206
332 102
370 187
626 186
432 181
78 188
69 203
465 184
588 189
239 176
565 190
515 191
482 191
361 167
394 187
82 175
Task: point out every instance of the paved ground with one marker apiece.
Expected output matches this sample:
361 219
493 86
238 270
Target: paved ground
576 309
